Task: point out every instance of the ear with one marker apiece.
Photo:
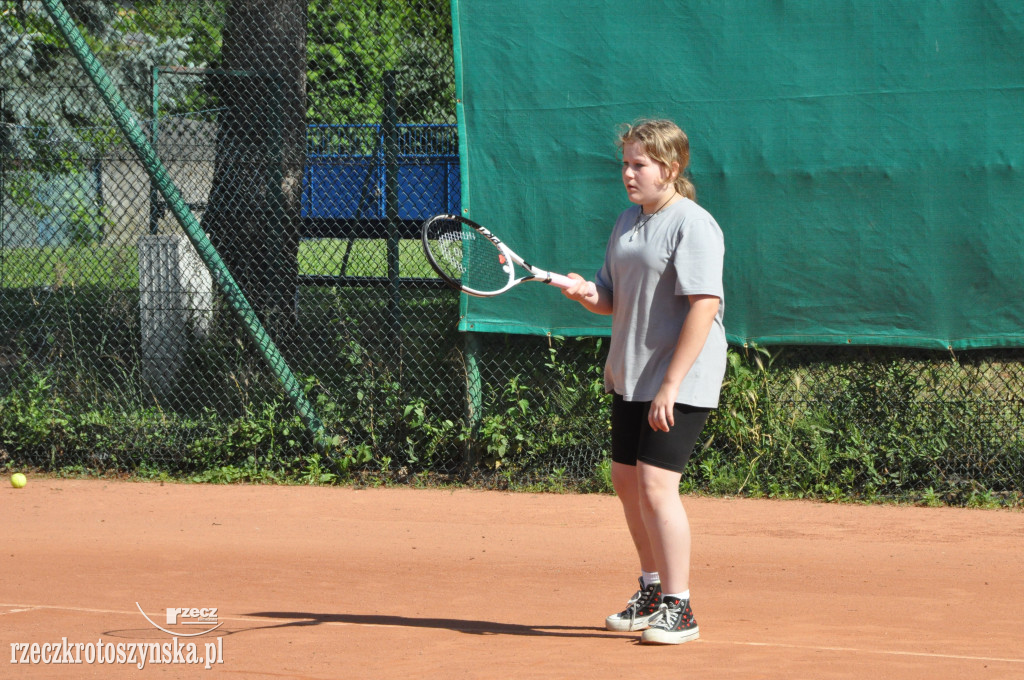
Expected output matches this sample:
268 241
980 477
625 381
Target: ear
673 172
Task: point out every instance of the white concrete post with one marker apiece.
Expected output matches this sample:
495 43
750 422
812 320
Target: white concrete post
175 305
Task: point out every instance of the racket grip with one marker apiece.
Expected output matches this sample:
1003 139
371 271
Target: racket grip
561 281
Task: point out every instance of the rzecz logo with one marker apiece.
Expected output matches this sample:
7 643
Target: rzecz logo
187 616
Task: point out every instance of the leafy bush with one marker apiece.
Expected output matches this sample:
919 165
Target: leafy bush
870 428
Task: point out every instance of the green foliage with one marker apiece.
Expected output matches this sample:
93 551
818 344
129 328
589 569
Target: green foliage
351 43
196 27
41 425
55 122
864 430
30 413
529 425
781 432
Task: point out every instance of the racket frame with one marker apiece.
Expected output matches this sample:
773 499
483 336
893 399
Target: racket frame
535 273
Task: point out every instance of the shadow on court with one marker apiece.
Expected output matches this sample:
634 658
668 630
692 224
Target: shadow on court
301 619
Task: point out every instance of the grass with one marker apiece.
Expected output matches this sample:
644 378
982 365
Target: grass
116 266
360 257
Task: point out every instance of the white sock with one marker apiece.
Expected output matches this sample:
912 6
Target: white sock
685 595
649 577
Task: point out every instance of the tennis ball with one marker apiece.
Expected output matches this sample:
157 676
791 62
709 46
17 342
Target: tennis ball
18 480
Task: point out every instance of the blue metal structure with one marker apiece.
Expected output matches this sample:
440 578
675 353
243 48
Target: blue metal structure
344 184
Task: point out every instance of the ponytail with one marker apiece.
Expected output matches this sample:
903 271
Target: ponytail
685 187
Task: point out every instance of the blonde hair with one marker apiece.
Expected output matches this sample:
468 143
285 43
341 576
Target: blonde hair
665 143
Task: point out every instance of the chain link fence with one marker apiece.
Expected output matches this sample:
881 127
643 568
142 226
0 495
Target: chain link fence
310 139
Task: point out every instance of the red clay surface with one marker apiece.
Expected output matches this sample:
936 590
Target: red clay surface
406 583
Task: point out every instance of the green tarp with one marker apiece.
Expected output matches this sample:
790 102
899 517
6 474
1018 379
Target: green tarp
864 158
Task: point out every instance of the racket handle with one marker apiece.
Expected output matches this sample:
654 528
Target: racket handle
561 281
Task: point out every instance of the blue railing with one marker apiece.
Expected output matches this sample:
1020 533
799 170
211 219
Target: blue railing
345 177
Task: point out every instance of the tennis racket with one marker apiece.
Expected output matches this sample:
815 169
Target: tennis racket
472 259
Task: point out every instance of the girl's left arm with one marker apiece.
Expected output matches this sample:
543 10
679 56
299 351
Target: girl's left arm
692 337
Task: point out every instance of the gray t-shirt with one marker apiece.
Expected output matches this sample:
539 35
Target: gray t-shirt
649 272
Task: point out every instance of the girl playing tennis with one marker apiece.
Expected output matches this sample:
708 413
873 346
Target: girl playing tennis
662 284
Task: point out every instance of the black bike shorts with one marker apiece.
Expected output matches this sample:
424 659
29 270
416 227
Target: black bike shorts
634 440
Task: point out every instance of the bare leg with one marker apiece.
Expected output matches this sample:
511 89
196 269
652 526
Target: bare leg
625 481
666 525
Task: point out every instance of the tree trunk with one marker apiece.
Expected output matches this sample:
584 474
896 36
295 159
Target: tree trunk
253 214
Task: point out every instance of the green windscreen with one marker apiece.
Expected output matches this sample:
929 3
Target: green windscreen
863 157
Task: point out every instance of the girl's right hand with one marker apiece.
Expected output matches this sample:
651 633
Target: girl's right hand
582 291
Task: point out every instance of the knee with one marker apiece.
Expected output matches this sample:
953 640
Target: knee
624 480
658 491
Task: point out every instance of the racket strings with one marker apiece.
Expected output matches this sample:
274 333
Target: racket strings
468 257
448 250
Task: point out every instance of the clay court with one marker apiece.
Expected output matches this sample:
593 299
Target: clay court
411 583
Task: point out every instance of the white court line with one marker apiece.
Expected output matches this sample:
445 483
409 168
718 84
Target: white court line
89 610
776 645
858 650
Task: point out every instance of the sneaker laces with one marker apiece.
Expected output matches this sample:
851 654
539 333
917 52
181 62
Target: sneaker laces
667 616
640 599
645 596
631 607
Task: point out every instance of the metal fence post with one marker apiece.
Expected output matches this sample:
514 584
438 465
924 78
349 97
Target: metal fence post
389 131
3 180
154 193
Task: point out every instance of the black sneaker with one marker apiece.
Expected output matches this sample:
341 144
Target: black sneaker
641 607
672 624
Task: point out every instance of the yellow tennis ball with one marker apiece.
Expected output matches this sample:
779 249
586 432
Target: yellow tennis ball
18 480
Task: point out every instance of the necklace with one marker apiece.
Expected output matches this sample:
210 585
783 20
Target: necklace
638 225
